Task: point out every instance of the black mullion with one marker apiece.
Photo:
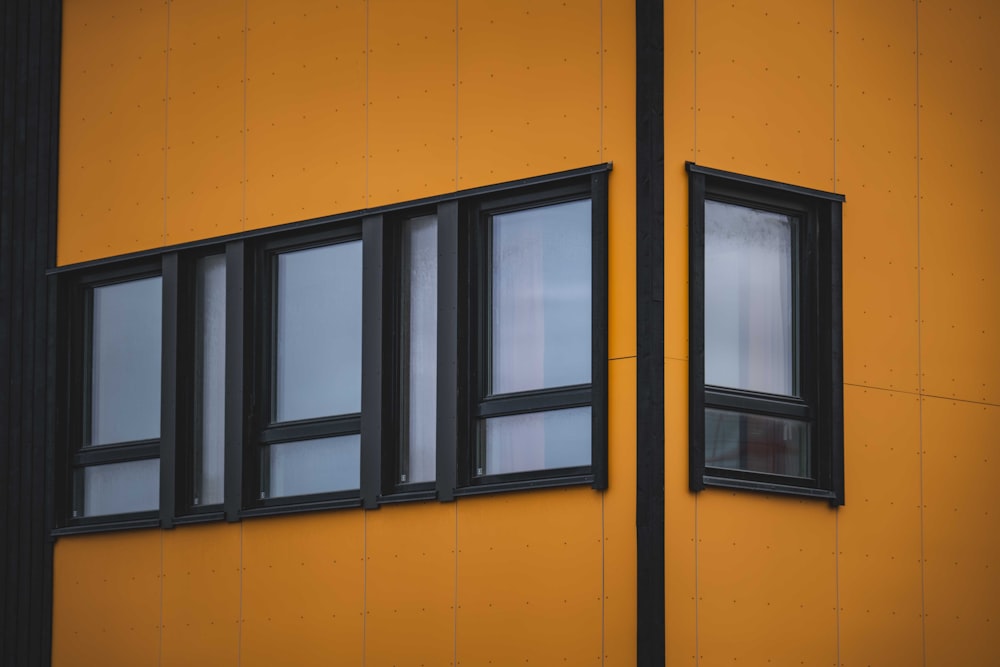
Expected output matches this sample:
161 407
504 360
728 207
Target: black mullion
696 337
372 354
734 400
120 453
508 404
831 382
170 279
599 328
239 374
452 350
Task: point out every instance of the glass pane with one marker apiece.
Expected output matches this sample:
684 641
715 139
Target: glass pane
419 343
116 488
757 443
749 283
318 332
540 316
125 361
535 441
210 379
313 466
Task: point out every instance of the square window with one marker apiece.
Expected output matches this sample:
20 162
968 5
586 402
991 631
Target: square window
766 340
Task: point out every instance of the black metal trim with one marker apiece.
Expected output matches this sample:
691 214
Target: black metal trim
763 404
453 342
755 182
650 602
372 352
768 487
170 275
239 374
295 504
525 484
105 527
599 332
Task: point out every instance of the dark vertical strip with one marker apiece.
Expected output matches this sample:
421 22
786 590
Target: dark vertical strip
650 631
373 254
836 352
169 390
450 386
29 85
599 317
239 374
696 331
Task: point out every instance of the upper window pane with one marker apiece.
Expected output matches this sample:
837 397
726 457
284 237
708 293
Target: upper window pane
210 379
540 316
125 362
749 287
419 349
318 332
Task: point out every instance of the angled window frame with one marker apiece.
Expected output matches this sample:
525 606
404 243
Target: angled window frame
817 304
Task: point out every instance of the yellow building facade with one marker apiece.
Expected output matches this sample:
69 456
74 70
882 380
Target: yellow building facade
184 121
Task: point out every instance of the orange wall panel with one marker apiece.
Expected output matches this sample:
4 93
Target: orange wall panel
877 168
618 135
764 89
529 578
878 530
529 88
618 518
106 600
961 532
303 590
411 100
959 239
111 128
201 595
204 184
305 110
410 589
767 590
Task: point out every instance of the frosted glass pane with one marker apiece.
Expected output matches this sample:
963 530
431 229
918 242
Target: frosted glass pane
419 339
314 466
125 361
535 441
116 488
540 295
757 443
210 379
318 327
749 282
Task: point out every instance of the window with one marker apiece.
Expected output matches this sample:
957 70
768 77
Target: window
450 346
766 374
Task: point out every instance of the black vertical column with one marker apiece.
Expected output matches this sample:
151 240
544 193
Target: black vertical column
29 110
649 511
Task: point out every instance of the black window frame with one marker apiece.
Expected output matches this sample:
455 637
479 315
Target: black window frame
817 299
249 298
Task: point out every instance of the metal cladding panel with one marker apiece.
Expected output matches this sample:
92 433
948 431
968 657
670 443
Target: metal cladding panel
529 88
303 590
961 532
959 78
204 131
767 580
530 578
619 559
112 123
410 593
879 530
619 140
764 89
306 110
411 100
877 167
107 600
201 595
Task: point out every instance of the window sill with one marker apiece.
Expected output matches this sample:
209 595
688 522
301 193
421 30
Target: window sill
105 527
296 508
525 485
770 487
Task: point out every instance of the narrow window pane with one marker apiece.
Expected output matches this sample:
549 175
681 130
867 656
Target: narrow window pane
540 316
753 442
116 488
210 379
318 332
749 283
419 349
313 466
125 362
535 441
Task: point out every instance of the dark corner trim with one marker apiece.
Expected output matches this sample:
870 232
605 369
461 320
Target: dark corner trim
650 628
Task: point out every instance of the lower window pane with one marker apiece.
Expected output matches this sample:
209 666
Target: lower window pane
117 488
756 443
534 441
313 466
